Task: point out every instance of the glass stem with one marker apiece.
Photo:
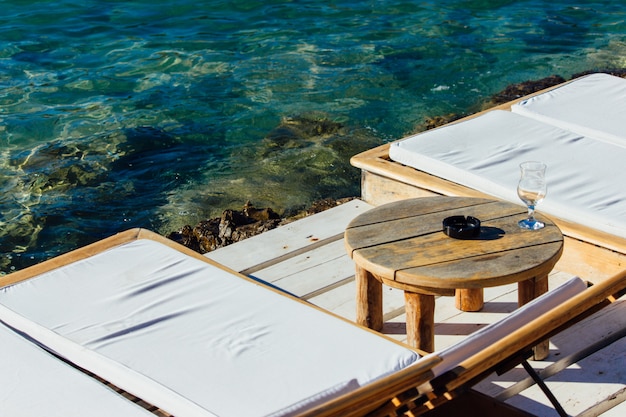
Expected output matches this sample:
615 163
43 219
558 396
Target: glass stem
531 213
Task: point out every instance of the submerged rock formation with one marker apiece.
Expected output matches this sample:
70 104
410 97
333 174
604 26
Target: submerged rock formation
299 131
56 191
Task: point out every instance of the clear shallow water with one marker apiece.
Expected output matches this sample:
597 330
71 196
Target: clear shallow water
118 114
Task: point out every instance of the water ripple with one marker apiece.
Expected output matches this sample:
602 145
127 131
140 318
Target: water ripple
157 114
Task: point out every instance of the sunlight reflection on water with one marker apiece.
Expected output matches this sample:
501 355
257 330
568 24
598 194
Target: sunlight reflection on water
157 114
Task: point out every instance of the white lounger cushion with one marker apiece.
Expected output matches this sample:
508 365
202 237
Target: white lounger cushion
487 336
192 338
35 383
585 176
594 106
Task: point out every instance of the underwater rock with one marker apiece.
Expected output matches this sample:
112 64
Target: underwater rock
298 131
65 164
141 145
47 187
58 166
310 151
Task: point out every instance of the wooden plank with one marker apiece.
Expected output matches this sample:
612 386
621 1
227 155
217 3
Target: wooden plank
508 268
433 262
453 325
342 300
266 249
310 273
431 245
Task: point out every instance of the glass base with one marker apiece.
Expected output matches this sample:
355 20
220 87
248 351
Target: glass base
531 224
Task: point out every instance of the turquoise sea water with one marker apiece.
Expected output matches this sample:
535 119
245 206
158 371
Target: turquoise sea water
118 114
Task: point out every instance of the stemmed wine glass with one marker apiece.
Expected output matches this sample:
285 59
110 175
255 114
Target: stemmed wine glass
531 190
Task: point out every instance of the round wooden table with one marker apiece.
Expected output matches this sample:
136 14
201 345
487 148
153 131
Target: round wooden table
402 245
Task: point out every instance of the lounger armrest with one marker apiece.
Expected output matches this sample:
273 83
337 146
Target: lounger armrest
545 325
455 378
495 332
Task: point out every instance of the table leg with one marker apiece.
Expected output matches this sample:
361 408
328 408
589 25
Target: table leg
369 300
469 299
527 291
420 320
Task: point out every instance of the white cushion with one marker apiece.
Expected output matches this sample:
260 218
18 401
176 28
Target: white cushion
594 106
585 176
35 383
192 338
487 336
316 399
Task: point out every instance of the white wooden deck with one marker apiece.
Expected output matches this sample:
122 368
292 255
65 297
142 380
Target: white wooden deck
307 258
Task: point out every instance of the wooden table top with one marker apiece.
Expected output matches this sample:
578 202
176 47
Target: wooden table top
402 244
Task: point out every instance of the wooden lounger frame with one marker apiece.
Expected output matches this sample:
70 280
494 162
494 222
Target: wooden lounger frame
357 403
412 391
588 253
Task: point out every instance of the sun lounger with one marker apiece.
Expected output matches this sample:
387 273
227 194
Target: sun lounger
576 128
194 339
35 383
484 153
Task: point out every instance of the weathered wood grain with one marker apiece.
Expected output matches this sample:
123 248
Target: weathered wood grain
274 246
402 245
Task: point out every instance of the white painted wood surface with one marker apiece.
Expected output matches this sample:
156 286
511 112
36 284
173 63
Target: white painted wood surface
307 258
284 242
